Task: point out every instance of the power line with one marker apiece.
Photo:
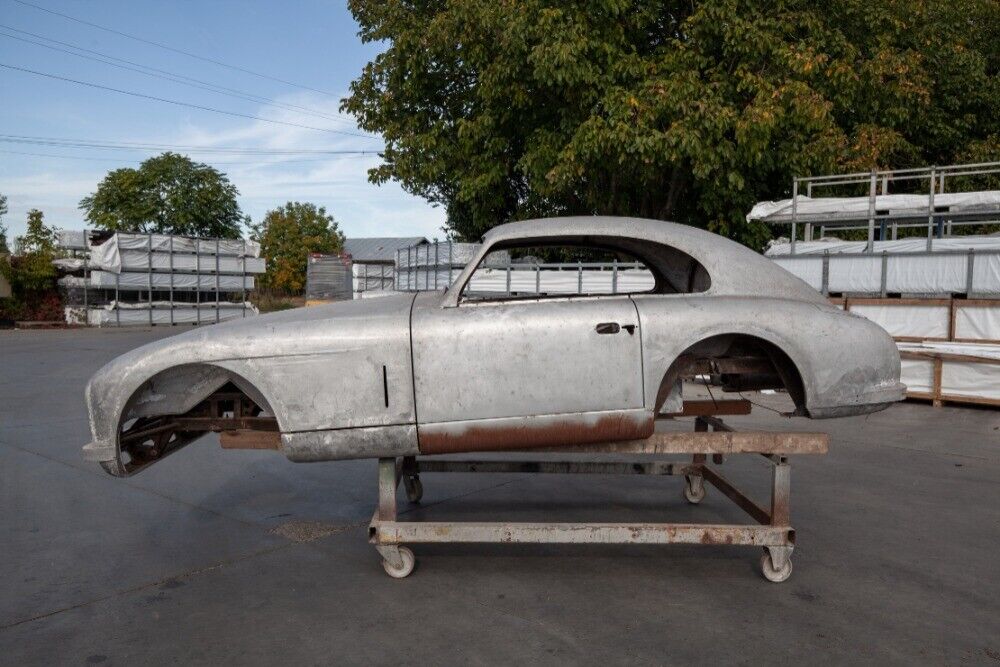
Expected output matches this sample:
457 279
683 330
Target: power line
163 74
170 48
214 163
147 146
183 104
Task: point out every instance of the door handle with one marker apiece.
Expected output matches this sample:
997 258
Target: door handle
608 328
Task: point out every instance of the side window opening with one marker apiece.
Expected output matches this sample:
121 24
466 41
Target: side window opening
582 267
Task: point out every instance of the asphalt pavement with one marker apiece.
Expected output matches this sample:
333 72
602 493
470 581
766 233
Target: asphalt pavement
242 557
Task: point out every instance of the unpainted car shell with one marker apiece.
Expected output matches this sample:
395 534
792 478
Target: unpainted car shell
431 373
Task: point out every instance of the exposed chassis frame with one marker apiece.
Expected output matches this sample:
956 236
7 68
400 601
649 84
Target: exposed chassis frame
711 436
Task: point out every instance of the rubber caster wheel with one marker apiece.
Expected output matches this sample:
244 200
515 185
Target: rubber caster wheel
414 489
694 491
773 574
409 562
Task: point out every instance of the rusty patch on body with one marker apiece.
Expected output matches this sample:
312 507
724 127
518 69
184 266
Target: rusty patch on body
533 432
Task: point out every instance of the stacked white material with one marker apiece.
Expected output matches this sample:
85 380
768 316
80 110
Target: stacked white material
856 208
369 276
426 279
435 254
149 263
431 266
909 268
525 280
204 282
975 321
139 260
162 312
969 371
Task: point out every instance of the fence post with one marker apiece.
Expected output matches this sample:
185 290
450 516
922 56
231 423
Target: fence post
970 263
885 266
825 287
871 213
149 274
795 212
930 210
170 255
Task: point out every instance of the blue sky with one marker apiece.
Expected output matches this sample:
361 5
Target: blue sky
307 42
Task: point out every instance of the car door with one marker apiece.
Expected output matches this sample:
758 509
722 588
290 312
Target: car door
504 374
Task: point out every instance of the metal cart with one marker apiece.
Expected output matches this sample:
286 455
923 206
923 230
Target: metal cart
711 438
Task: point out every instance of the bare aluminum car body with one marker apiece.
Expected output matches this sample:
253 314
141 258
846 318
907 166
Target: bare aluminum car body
433 372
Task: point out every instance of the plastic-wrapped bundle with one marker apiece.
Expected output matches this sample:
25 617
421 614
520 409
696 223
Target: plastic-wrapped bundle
159 281
161 312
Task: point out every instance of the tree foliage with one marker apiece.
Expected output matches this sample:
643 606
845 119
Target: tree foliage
287 235
4 247
689 111
168 194
31 272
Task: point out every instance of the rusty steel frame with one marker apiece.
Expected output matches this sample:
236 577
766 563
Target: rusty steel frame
773 531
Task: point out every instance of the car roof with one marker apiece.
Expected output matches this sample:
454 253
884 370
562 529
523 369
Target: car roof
734 269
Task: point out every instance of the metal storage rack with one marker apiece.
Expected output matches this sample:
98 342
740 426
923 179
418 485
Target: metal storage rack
213 289
937 223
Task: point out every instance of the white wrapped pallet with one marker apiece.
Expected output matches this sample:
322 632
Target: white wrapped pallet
160 281
959 372
162 312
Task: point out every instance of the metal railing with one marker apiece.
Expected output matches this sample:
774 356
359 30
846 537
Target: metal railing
937 223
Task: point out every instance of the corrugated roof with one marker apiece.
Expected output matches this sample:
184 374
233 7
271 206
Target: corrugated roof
379 248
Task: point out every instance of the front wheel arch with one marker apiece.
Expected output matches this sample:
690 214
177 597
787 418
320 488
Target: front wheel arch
174 392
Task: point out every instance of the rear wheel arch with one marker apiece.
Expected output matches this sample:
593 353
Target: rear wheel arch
731 345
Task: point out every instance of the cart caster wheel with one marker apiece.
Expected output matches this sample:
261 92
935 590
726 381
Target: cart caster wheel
773 574
414 489
694 489
409 562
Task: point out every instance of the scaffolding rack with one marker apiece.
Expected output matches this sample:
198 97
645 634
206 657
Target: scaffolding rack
205 295
938 223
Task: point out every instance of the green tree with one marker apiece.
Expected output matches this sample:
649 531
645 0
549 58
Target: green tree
4 248
287 235
688 111
32 271
168 194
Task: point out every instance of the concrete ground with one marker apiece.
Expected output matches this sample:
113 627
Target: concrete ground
221 557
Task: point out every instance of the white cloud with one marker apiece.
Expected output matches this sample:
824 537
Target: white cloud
339 183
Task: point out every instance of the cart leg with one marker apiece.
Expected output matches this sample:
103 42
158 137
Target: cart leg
387 489
776 563
411 479
781 475
397 560
694 485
